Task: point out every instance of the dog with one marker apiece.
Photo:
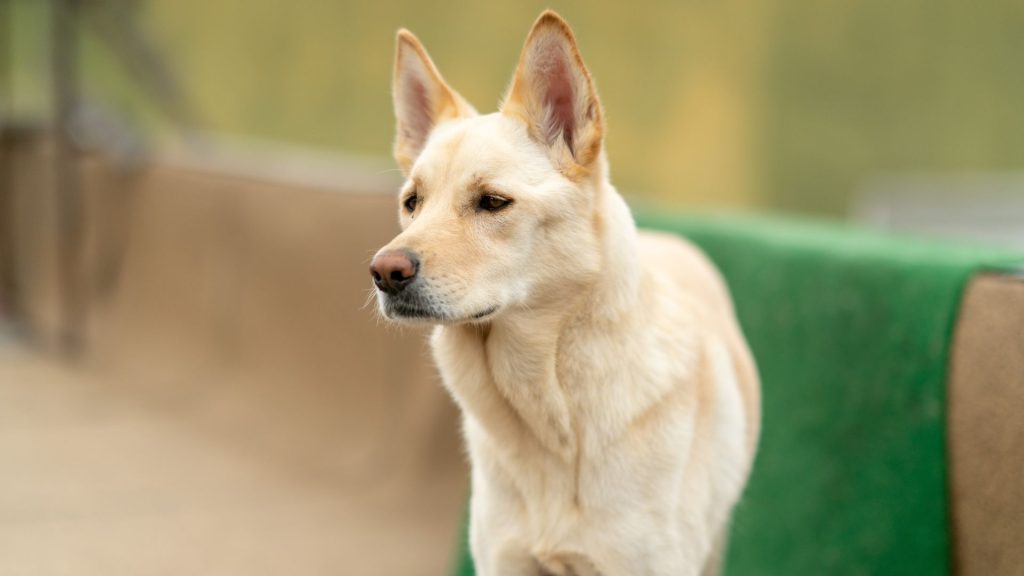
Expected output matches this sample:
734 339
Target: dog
611 406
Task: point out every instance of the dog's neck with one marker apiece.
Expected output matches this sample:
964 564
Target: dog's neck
522 350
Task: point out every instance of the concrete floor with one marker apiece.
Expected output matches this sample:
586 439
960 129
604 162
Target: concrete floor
98 478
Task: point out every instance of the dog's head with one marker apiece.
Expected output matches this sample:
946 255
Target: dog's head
499 211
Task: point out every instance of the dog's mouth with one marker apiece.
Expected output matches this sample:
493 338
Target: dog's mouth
484 314
402 310
399 310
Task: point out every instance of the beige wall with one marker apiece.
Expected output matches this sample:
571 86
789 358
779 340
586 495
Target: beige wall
240 307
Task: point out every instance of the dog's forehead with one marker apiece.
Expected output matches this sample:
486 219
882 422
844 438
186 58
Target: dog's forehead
492 145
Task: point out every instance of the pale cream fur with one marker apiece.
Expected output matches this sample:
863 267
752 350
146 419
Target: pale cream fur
611 406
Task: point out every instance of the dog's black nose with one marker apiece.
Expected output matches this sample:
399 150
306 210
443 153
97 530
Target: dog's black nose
393 270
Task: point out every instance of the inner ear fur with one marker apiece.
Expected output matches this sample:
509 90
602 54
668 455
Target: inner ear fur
553 93
422 99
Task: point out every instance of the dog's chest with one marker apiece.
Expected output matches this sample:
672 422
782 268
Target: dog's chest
608 471
568 452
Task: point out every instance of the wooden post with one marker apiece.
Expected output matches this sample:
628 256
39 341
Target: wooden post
64 55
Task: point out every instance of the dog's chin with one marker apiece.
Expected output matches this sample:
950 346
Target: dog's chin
401 312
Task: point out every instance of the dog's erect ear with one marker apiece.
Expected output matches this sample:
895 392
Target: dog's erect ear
553 93
422 99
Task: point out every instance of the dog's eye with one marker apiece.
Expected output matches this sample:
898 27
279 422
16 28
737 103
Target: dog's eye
492 203
411 202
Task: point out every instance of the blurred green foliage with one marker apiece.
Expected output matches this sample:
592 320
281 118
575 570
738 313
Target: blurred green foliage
783 104
859 88
23 49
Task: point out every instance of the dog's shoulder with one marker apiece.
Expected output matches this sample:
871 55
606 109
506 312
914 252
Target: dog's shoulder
684 269
687 268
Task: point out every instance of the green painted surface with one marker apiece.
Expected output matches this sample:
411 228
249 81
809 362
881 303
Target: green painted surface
851 332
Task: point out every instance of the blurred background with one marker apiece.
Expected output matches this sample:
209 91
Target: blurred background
773 104
190 192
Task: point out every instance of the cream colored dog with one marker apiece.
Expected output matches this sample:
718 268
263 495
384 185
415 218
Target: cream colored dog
611 406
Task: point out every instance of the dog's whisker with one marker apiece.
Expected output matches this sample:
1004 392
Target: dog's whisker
371 294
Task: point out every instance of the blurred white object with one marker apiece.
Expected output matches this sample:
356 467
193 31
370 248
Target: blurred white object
980 207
